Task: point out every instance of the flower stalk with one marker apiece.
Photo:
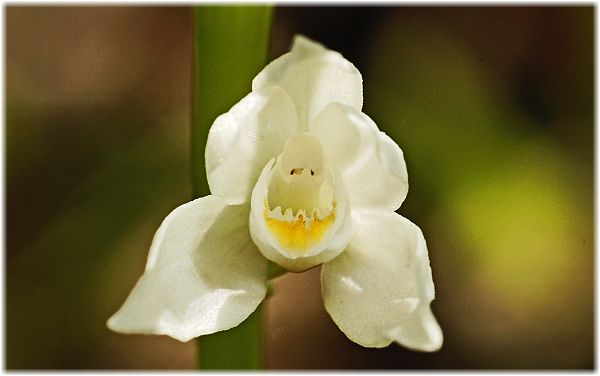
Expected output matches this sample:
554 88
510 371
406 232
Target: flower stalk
231 45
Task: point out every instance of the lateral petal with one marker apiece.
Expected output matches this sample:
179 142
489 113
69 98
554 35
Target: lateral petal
241 141
372 163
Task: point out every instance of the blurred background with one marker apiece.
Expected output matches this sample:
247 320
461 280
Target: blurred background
493 107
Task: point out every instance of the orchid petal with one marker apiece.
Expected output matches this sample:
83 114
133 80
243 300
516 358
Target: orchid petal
313 76
372 164
379 290
203 274
242 140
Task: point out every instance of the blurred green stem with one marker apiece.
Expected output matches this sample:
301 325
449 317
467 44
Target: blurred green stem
231 45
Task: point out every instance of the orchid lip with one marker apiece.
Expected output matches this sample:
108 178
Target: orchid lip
301 231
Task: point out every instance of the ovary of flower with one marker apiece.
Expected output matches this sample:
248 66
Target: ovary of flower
301 177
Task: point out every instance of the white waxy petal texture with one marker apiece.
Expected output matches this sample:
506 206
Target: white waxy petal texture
372 164
241 141
380 288
203 274
313 77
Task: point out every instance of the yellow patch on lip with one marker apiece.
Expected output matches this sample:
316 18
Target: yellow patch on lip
300 234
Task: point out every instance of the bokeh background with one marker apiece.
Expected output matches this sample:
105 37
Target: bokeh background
493 107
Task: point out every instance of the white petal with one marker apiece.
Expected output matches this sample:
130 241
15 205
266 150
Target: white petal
379 289
313 76
372 163
203 274
242 140
322 243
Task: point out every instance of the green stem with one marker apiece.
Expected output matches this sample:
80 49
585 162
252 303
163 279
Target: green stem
231 45
239 348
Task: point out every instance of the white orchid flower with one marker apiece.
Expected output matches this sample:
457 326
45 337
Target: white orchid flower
301 177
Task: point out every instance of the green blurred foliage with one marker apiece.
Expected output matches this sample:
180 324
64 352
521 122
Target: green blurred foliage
493 108
505 205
